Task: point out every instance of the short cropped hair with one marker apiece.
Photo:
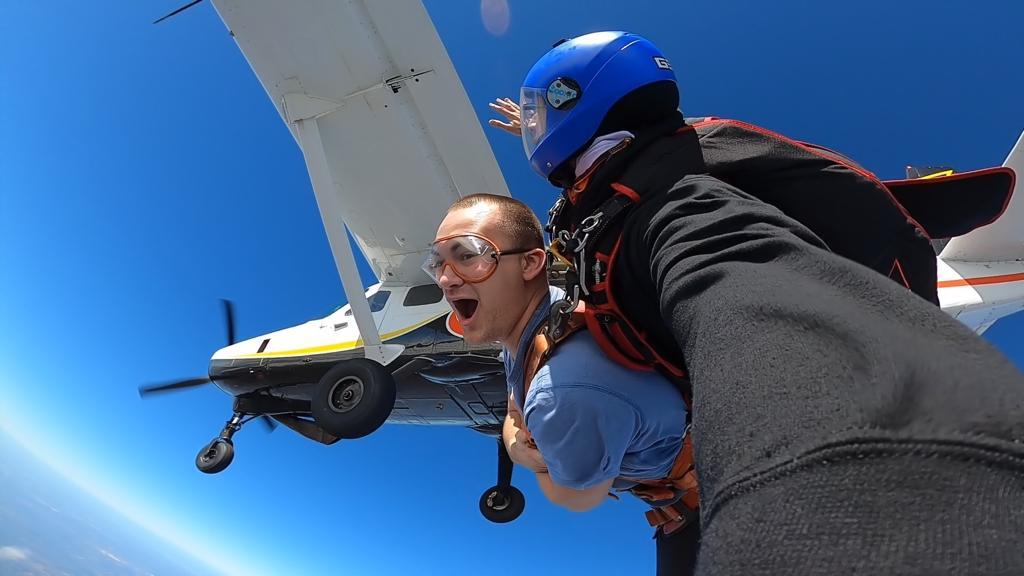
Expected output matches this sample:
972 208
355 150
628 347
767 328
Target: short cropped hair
514 218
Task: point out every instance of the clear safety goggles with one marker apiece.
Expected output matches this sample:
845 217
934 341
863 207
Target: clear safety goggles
470 257
532 117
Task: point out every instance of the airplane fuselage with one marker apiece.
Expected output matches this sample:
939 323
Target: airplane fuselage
439 379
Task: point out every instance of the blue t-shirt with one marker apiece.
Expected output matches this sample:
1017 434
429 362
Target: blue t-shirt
593 419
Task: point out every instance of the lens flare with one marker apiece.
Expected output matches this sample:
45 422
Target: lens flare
495 16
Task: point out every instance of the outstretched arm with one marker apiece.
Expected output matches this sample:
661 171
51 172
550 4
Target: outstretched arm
814 377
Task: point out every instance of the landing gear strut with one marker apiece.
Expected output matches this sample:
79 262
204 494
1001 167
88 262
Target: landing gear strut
215 456
504 502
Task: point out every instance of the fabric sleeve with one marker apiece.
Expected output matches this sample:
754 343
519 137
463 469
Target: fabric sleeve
582 432
814 377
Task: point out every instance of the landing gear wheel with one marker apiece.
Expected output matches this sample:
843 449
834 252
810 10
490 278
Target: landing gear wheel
215 456
354 398
501 504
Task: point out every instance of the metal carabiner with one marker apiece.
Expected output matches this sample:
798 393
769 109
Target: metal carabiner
561 309
591 222
553 214
556 248
581 268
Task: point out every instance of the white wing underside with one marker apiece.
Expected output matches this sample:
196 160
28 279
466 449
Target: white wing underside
399 137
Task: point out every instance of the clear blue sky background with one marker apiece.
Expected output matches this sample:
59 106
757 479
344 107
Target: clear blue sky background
144 174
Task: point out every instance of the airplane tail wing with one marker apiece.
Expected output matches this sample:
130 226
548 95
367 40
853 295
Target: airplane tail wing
1003 239
981 272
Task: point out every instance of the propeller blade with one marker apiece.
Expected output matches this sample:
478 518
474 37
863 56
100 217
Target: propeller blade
229 320
268 422
178 11
176 385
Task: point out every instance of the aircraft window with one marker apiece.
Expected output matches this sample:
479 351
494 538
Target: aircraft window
423 295
378 300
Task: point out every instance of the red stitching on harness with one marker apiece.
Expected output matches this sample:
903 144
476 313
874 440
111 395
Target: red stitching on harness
897 267
626 191
614 309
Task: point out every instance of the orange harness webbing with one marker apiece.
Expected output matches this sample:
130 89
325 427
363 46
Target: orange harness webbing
678 492
674 499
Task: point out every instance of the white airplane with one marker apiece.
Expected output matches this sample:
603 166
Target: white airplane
981 273
390 140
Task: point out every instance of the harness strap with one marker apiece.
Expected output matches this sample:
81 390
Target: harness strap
609 212
674 499
673 517
543 342
593 246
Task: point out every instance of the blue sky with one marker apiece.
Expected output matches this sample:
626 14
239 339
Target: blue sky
140 165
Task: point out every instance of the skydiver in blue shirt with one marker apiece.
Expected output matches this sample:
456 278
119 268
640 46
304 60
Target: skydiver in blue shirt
587 425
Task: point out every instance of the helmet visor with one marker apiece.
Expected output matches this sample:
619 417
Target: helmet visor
533 117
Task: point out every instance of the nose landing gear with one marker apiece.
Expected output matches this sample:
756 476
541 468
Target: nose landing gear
215 456
504 502
218 454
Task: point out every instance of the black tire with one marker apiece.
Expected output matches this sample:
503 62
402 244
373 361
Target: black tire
501 504
215 456
354 398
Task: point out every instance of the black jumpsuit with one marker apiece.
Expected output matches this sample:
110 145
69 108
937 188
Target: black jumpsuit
842 424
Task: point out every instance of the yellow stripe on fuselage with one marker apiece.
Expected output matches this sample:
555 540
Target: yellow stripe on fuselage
338 347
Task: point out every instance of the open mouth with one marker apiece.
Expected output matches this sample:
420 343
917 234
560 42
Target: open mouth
465 308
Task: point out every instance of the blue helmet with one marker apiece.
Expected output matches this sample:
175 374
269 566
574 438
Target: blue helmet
569 91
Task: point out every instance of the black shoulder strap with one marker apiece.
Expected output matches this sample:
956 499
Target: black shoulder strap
661 164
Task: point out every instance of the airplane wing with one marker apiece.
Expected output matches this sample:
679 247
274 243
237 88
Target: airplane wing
400 137
389 136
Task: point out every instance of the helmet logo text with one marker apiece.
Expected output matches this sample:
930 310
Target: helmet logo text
562 93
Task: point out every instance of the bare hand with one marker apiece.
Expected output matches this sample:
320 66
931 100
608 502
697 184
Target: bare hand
510 110
524 452
521 447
